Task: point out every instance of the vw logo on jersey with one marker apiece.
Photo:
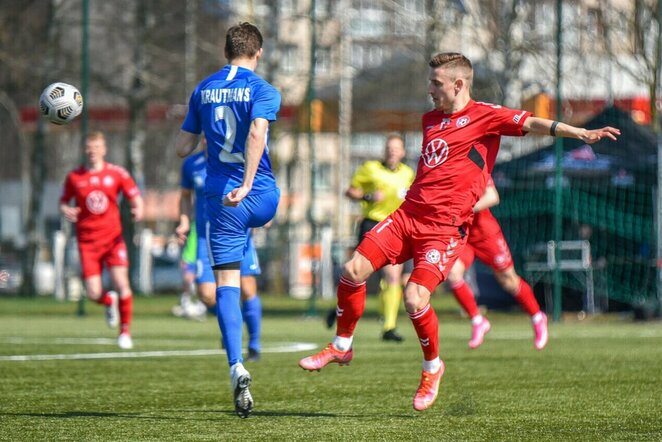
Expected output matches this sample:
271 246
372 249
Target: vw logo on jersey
435 153
96 202
462 121
432 256
108 181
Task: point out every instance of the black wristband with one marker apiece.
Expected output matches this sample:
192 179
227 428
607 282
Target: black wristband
367 197
552 129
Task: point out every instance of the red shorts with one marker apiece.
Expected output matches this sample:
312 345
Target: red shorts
434 247
94 255
487 243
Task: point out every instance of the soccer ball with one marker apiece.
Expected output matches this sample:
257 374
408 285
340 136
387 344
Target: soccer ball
61 103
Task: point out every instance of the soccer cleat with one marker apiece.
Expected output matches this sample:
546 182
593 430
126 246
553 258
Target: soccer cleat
428 389
253 355
540 333
124 341
392 335
478 333
243 401
112 310
325 357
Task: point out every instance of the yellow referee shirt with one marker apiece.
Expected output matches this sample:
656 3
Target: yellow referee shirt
374 175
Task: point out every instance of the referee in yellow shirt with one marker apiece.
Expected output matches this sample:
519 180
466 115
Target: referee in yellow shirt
381 186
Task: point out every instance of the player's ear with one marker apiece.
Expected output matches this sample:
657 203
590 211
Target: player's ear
459 83
259 54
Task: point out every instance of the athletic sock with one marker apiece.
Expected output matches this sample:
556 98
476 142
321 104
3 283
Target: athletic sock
524 296
351 304
426 325
126 312
228 313
252 313
392 295
432 366
104 299
465 297
342 343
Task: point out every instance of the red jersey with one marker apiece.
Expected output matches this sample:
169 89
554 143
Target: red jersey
459 151
96 194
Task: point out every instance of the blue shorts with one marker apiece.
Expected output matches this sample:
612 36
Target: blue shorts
228 229
250 265
203 273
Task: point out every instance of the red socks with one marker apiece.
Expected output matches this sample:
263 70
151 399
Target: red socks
104 299
351 304
526 299
465 297
427 328
126 310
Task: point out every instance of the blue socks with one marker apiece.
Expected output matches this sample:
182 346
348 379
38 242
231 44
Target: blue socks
230 321
252 312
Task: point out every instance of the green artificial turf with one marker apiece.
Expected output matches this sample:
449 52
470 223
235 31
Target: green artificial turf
598 380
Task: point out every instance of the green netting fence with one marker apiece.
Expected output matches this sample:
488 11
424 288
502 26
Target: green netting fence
608 199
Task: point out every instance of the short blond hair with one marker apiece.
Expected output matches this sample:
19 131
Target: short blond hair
95 135
457 64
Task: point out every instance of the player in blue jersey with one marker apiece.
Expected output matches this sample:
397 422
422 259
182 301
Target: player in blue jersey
193 176
233 107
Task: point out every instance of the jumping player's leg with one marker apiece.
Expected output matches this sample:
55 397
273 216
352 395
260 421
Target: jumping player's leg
435 250
351 296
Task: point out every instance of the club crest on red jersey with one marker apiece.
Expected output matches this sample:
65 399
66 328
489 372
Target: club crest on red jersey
435 152
462 121
96 202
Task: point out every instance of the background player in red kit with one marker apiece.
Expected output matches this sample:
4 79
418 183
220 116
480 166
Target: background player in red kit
487 243
460 142
95 187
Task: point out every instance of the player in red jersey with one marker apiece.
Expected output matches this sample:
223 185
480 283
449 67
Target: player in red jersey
460 142
95 188
487 243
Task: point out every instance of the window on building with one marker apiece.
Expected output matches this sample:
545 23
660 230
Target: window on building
324 176
323 60
288 7
289 61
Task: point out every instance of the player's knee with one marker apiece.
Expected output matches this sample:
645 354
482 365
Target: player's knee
416 297
207 294
357 269
508 280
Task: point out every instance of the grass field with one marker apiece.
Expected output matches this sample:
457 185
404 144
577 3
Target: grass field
599 379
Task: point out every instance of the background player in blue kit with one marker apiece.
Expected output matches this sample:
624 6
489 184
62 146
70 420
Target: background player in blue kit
233 107
193 176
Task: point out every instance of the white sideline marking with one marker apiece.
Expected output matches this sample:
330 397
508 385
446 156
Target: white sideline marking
281 348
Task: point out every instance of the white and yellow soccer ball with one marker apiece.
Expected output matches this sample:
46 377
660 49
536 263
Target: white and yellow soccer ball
61 103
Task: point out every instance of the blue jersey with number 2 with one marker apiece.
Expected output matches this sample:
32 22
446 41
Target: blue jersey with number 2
223 106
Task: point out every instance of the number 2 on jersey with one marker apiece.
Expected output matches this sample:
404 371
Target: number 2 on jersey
226 155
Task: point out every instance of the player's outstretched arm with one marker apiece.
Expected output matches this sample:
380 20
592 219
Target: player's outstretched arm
186 143
544 126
